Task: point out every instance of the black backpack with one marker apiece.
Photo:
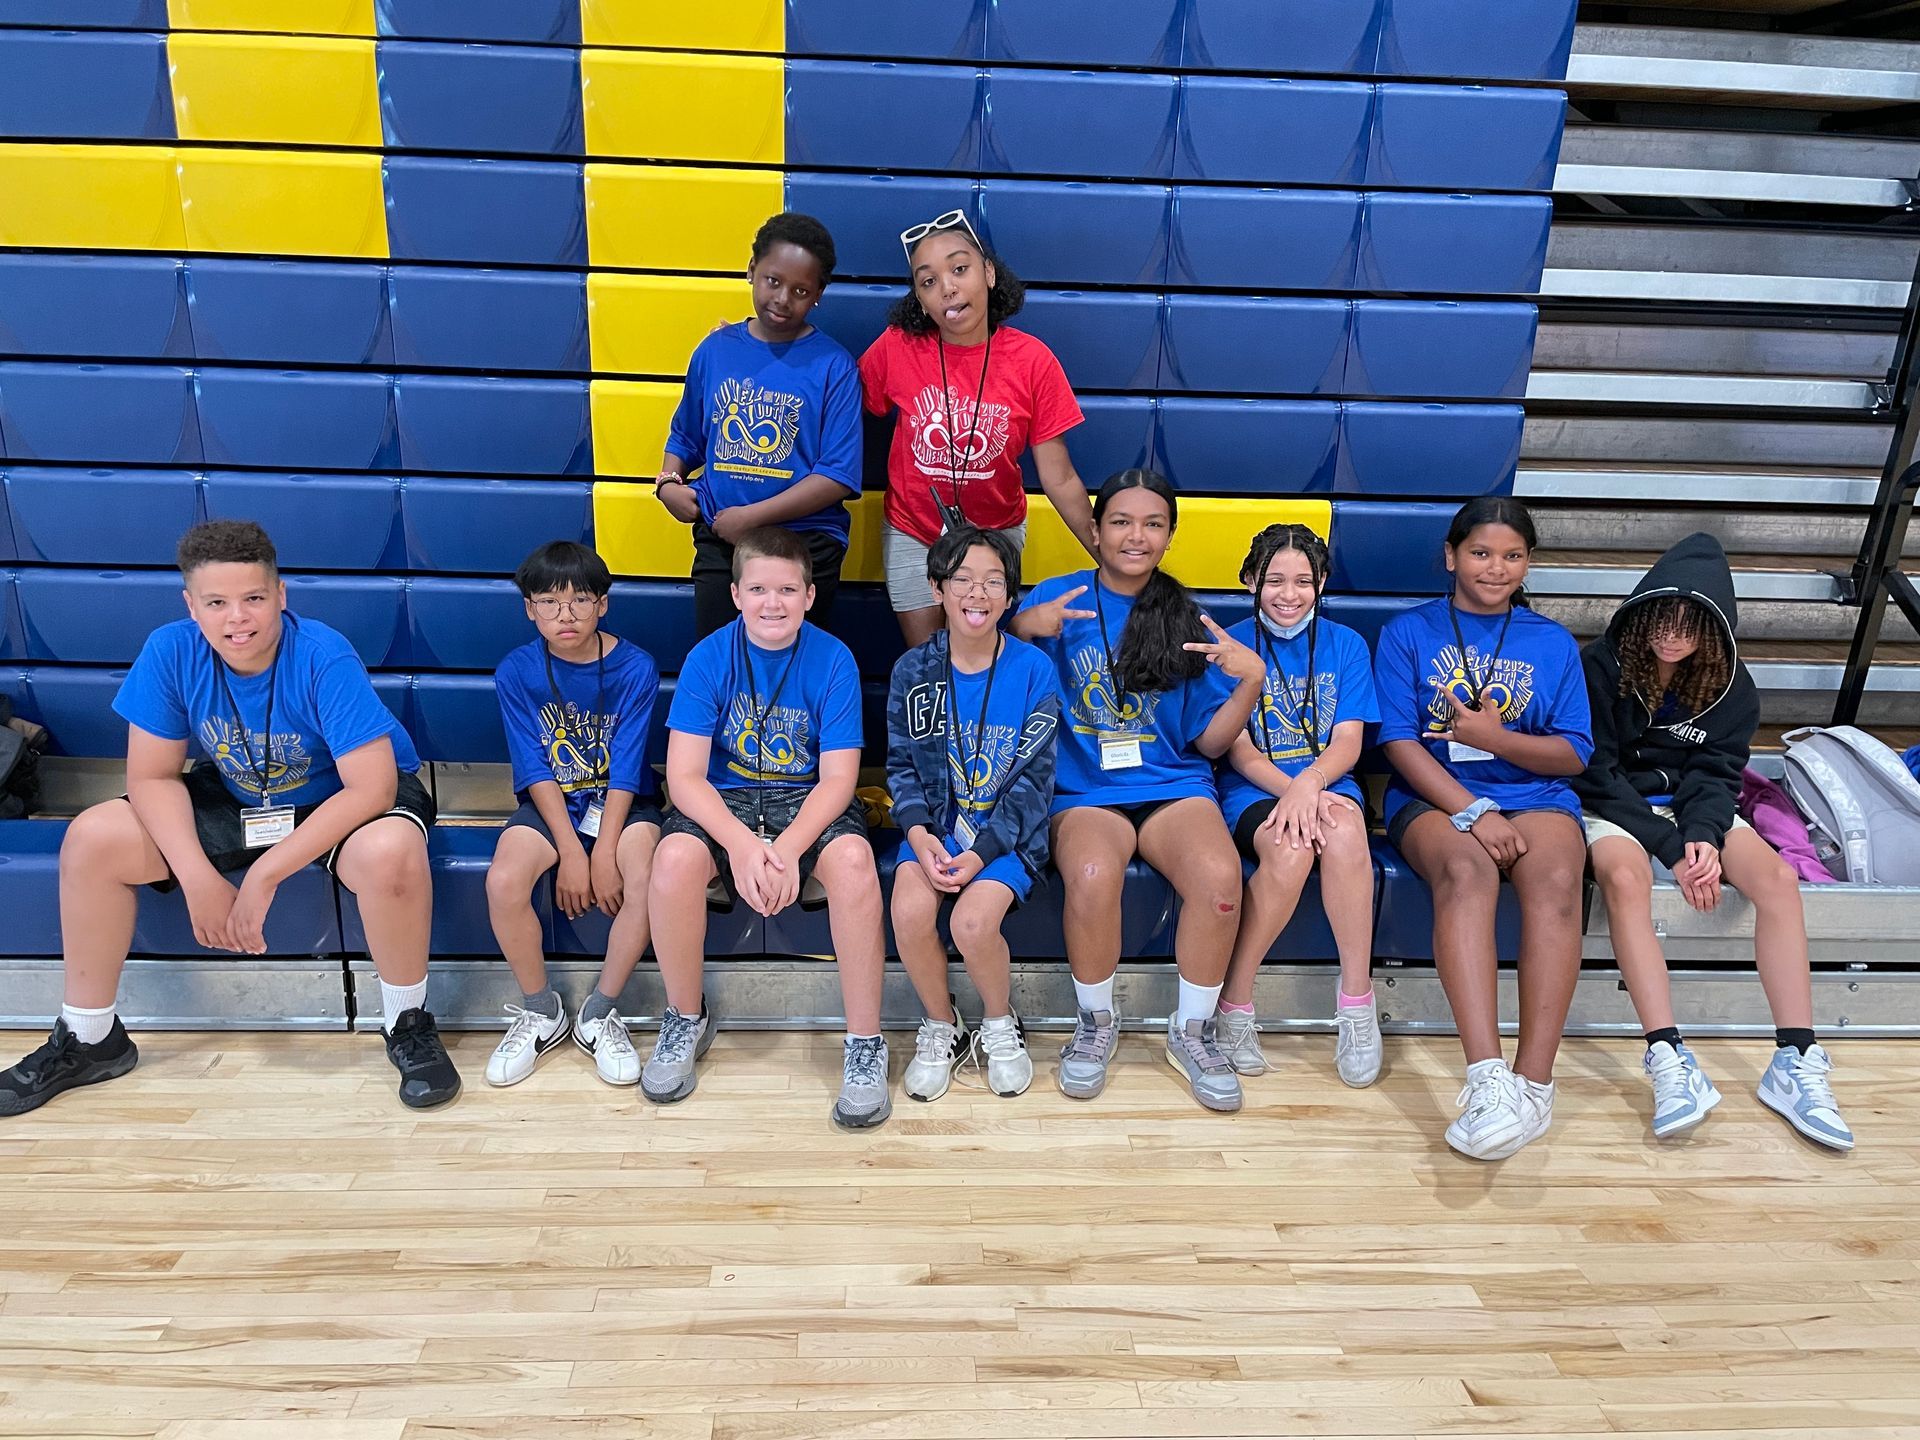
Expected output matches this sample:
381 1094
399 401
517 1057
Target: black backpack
21 742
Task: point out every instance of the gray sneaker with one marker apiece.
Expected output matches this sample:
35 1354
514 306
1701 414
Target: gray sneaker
1357 1051
864 1101
1084 1058
1240 1041
683 1040
1194 1052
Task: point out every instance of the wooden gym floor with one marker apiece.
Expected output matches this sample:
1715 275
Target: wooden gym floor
250 1238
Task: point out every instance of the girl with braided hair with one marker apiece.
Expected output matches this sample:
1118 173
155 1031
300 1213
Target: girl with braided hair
1290 799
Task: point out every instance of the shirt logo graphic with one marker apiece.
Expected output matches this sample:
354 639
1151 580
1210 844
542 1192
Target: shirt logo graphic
1510 685
287 759
753 427
778 748
575 744
1098 707
980 770
1283 731
973 447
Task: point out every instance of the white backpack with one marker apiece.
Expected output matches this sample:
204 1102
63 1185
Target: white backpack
1861 802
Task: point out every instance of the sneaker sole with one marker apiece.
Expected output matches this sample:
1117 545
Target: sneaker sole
1680 1127
541 1049
1223 1106
1785 1112
1022 1089
863 1122
946 1084
1075 1090
673 1097
1359 1084
604 1078
12 1105
432 1101
1508 1145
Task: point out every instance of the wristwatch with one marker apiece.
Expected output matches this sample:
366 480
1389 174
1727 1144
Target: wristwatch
1463 820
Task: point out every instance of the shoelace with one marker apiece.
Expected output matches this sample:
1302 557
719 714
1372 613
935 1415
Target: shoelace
1357 1030
613 1037
1203 1047
867 1061
416 1041
1811 1071
676 1037
1478 1096
994 1045
59 1047
523 1031
1089 1039
934 1041
1669 1074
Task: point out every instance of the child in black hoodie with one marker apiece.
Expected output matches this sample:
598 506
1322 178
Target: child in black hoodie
1674 712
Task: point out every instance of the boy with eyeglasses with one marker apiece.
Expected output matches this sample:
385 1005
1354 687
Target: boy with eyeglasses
577 705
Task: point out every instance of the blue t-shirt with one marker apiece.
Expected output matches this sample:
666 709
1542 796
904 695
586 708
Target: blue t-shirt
1341 689
323 707
984 754
771 714
568 731
1536 676
763 417
1167 722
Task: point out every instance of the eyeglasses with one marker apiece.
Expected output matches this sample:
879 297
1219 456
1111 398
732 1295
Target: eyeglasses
952 220
967 584
549 609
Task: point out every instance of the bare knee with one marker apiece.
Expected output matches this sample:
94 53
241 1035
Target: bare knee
103 842
1214 885
1624 881
1775 888
975 921
914 901
1095 877
388 860
1467 870
1283 864
681 863
846 872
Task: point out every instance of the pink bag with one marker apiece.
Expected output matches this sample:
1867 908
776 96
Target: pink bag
1769 810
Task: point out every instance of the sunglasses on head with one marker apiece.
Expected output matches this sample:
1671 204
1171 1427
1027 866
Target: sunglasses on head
952 220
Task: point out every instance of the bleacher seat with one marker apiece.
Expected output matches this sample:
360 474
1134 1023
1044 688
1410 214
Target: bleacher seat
1262 447
76 706
1403 924
1122 126
1454 244
1476 39
1302 132
1466 137
1147 914
1328 37
464 624
490 425
7 549
656 615
103 414
1441 348
668 104
507 212
866 214
30 883
100 517
274 89
302 921
1389 547
63 85
1368 614
1429 449
240 200
93 306
492 99
1117 434
297 419
13 645
1103 341
879 115
1041 227
1255 345
858 313
99 617
369 610
291 312
487 527
93 15
395 691
1138 34
650 324
1264 239
535 22
459 855
457 718
677 217
926 30
488 319
318 522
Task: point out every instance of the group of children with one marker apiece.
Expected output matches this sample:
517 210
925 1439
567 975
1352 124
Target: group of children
1100 717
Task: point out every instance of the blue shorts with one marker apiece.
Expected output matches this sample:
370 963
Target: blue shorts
644 809
1007 869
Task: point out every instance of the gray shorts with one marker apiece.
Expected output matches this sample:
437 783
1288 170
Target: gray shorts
906 561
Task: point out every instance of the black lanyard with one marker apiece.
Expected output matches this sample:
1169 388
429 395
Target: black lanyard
979 400
1485 678
605 768
263 772
1106 645
967 762
1304 707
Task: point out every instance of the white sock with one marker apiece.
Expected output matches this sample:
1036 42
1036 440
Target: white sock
1095 997
396 1000
89 1027
1197 1002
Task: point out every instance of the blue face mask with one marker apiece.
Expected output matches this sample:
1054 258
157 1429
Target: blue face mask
1286 632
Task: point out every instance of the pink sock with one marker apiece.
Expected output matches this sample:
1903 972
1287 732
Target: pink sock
1346 999
1230 1008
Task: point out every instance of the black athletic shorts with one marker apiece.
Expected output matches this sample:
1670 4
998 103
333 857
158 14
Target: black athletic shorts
776 806
644 810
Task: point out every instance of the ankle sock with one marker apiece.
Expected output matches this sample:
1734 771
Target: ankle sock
1801 1040
1227 1007
1197 1002
89 1027
396 1000
1094 997
598 1007
1668 1033
1353 1001
544 1001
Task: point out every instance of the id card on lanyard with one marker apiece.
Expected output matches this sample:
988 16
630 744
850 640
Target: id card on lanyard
264 823
966 804
589 825
1119 749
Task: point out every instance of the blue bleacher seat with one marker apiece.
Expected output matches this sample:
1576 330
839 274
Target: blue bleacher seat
1389 547
8 551
1121 126
93 306
101 414
657 615
488 319
101 517
462 624
879 115
1471 39
396 693
537 22
457 718
318 522
302 921
863 619
866 214
1264 239
62 85
1430 449
507 212
297 419
459 855
291 312
1454 244
1042 227
1250 345
1403 927
13 645
1311 132
1140 34
1307 936
1260 447
1117 434
30 883
1103 341
99 617
369 610
925 30
76 706
487 526
1147 915
494 99
1468 349
494 426
89 14
857 314
1328 37
1367 614
1466 137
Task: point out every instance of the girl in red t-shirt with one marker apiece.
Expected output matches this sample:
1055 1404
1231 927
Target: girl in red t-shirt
973 396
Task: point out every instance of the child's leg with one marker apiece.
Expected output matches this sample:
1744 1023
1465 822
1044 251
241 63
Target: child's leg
977 917
106 855
712 573
677 909
1466 887
627 940
846 872
1548 880
385 865
1272 892
1188 843
1091 848
916 918
1625 877
520 858
1346 894
1753 868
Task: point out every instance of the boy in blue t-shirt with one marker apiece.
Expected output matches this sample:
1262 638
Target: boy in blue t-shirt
298 761
771 410
577 705
762 757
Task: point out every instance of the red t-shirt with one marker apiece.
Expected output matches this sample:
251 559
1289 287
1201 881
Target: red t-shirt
1027 402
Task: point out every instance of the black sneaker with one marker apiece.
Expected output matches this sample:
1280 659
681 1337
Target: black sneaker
63 1063
427 1076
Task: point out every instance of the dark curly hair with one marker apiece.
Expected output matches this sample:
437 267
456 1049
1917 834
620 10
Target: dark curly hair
790 227
1699 680
1003 300
226 542
1149 655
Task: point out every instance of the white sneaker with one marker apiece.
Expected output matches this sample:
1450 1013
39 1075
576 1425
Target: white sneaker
530 1035
1536 1113
1795 1087
1009 1067
1682 1093
1490 1123
607 1040
1239 1040
1357 1051
937 1048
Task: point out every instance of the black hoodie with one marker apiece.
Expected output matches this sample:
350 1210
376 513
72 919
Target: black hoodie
1696 759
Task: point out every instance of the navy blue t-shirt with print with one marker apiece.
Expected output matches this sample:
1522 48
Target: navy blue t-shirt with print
771 714
584 727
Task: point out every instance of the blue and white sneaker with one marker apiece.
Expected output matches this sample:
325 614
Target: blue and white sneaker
1795 1088
1682 1093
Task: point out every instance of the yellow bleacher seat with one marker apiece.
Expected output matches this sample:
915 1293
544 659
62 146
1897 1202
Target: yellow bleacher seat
276 17
684 107
661 217
649 324
630 421
283 202
90 197
675 25
275 89
635 535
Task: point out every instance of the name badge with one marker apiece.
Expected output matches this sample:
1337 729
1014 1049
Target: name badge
1120 752
1462 754
964 833
264 825
590 822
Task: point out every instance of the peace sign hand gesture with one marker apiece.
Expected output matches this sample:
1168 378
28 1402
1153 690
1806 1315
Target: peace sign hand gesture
1229 654
1046 621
